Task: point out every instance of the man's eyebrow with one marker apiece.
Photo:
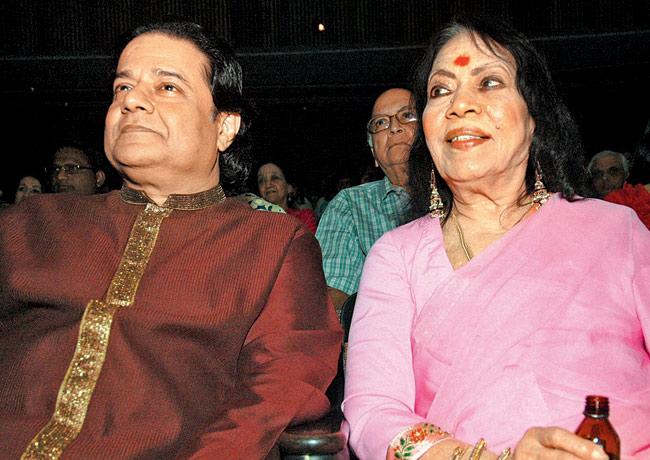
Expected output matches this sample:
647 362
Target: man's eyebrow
123 74
169 73
157 71
379 114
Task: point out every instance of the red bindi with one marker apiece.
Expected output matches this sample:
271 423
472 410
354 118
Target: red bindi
462 61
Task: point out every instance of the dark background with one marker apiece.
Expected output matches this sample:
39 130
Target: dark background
314 90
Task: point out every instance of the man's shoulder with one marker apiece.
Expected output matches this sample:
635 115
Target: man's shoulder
261 222
59 203
360 194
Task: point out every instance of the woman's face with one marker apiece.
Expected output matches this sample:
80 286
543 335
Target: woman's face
476 123
27 186
272 185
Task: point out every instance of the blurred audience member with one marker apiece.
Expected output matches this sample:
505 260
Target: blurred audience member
636 196
3 203
298 198
344 182
274 187
358 216
233 181
640 171
76 171
608 171
27 186
257 203
323 193
370 174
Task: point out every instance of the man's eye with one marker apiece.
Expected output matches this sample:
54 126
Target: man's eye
380 122
121 88
169 87
407 116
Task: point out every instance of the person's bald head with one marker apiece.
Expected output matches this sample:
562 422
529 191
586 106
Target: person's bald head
608 171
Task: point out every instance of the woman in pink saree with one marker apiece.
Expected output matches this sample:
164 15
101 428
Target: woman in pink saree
481 326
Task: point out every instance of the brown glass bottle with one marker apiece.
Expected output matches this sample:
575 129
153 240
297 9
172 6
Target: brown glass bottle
596 426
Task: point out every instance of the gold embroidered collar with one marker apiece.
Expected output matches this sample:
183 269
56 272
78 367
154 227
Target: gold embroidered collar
181 202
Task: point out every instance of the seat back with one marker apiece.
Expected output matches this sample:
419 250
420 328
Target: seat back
322 439
335 390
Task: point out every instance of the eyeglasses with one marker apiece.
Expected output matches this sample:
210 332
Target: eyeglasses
382 122
68 169
614 171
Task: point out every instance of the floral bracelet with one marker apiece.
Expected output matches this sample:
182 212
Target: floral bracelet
412 442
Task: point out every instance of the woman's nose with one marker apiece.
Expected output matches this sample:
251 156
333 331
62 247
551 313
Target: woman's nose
463 102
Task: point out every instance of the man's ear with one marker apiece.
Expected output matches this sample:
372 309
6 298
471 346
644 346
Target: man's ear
228 128
100 178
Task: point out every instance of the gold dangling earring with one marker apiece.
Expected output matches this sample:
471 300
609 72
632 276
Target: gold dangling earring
540 194
436 206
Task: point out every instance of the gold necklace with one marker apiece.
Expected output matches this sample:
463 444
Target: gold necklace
468 252
469 255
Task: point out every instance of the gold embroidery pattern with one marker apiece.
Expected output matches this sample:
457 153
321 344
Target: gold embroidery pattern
94 332
136 255
191 202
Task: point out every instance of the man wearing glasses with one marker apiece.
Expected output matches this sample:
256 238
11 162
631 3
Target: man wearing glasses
358 216
609 171
75 171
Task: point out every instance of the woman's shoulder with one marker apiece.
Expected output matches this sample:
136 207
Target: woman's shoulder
409 237
589 209
597 220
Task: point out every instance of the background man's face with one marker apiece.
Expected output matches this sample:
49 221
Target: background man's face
82 181
607 174
391 147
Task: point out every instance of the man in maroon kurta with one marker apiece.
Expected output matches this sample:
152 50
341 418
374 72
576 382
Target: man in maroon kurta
163 320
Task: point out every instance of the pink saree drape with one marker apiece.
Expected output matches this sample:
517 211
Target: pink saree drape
556 309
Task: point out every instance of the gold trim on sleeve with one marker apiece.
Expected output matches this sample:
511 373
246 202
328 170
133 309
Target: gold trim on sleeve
83 372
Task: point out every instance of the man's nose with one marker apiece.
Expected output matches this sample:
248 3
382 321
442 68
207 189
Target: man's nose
58 173
135 100
395 125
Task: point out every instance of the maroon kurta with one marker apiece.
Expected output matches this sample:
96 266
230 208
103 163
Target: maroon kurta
229 339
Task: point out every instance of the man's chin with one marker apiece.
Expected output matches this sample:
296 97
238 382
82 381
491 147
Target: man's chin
65 189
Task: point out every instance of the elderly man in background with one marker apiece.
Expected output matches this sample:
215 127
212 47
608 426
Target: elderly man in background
162 320
357 216
609 171
76 171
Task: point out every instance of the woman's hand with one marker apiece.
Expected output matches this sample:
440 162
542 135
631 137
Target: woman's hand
552 443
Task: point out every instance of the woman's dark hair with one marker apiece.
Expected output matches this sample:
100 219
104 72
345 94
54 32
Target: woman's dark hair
556 144
224 77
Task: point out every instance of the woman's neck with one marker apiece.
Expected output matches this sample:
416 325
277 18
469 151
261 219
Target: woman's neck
493 213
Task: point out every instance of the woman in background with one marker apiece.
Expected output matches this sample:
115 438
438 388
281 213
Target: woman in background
28 186
275 188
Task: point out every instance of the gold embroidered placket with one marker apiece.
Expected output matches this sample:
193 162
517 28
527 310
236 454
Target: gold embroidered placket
94 332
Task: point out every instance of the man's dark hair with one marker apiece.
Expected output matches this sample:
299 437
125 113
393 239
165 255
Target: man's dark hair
224 78
556 144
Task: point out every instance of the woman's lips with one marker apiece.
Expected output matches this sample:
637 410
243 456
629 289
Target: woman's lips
463 139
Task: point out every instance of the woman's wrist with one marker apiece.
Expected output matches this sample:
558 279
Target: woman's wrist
414 441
